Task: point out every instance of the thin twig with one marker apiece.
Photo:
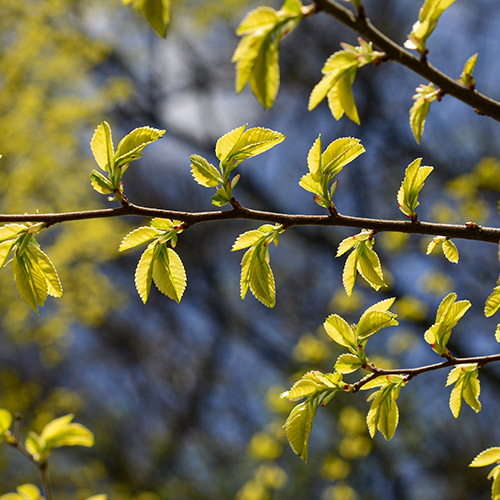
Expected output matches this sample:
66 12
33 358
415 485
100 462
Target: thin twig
362 25
465 231
413 372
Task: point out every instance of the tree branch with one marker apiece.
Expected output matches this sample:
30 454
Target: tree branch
468 231
413 372
481 103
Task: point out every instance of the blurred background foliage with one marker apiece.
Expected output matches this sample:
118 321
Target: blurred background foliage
184 399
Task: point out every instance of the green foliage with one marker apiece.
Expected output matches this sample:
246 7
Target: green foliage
339 73
116 163
448 314
488 457
318 388
493 301
257 54
418 112
256 272
324 167
450 251
411 186
57 433
465 378
384 414
158 263
156 13
34 274
362 259
24 492
232 149
427 20
466 77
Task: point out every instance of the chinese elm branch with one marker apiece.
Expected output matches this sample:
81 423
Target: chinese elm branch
413 372
482 104
469 231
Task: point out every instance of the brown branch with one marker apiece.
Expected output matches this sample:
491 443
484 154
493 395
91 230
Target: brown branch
466 231
362 25
413 372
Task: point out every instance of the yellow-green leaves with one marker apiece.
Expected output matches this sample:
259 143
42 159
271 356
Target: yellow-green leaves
448 314
465 378
5 423
59 432
34 274
158 263
232 149
450 251
354 337
411 186
493 301
257 54
24 492
488 457
156 13
318 388
466 77
362 259
418 112
339 73
324 167
256 272
384 414
427 20
116 163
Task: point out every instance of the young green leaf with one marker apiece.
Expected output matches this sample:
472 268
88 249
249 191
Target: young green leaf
339 73
450 251
324 167
132 145
102 147
348 363
5 423
486 457
298 426
384 414
256 272
156 13
100 183
30 281
169 274
465 378
466 77
138 236
144 273
448 314
492 302
411 186
37 256
257 54
204 173
418 112
341 332
427 20
24 492
362 259
63 432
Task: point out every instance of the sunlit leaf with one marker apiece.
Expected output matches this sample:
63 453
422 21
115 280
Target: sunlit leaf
144 273
262 283
347 363
466 77
54 287
156 13
63 432
450 251
204 173
298 427
5 422
169 274
486 457
372 322
100 183
132 145
137 237
247 239
492 302
30 281
349 273
102 146
340 331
